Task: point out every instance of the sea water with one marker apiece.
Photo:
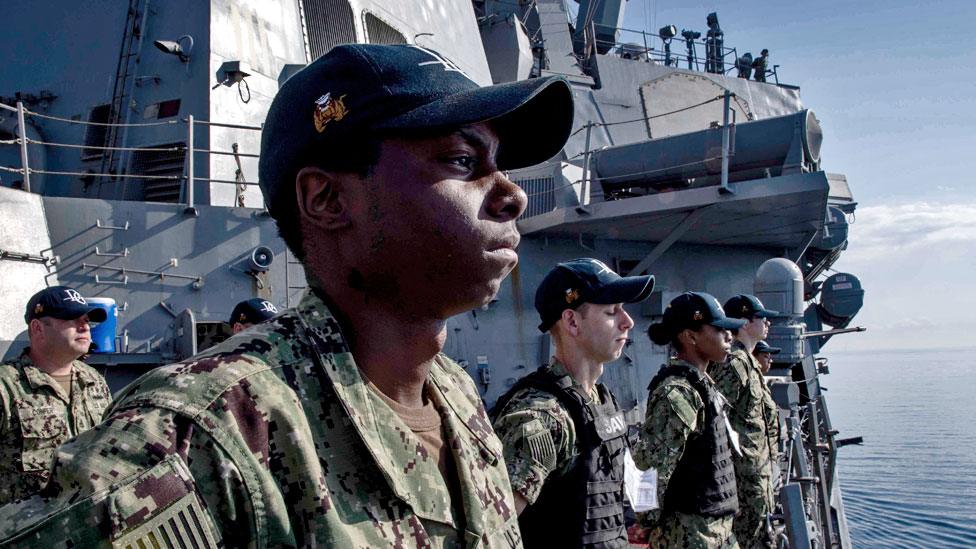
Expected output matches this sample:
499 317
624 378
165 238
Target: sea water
913 481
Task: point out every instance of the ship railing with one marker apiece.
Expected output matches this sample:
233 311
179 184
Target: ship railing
650 47
188 178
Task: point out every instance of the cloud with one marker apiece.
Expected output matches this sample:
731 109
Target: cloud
917 226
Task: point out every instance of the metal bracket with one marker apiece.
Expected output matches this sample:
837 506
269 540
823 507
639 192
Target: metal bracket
680 229
123 282
100 225
123 253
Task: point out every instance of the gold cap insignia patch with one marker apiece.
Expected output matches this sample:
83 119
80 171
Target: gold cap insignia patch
698 315
38 309
745 308
571 296
328 109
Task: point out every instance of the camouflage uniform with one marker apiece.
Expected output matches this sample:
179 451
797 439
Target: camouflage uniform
675 411
754 417
36 417
270 439
538 437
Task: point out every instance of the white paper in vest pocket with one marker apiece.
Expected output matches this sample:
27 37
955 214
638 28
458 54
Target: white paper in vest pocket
641 486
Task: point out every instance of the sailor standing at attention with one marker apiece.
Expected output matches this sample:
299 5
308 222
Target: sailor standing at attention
338 423
764 355
753 415
47 395
563 434
686 435
249 312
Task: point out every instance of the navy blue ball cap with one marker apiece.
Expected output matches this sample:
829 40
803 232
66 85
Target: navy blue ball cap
253 311
63 303
763 347
747 306
692 309
359 90
572 283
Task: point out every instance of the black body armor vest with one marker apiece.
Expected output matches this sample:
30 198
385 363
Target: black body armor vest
703 482
585 506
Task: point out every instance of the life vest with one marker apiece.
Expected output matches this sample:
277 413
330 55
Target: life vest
584 507
703 482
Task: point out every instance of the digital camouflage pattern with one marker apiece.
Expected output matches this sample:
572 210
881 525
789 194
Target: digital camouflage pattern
272 439
36 416
538 437
753 415
675 411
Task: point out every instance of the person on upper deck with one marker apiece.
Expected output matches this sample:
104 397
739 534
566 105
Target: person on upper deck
338 423
563 433
754 418
760 65
686 435
48 395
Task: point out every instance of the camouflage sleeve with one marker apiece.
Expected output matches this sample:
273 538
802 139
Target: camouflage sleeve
538 439
130 482
730 377
672 415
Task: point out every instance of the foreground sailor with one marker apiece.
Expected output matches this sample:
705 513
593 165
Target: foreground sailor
686 435
753 415
563 434
764 355
338 423
47 395
249 312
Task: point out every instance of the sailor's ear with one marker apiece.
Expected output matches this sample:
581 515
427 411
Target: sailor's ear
570 321
321 198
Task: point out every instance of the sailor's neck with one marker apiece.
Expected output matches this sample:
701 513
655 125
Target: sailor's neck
51 365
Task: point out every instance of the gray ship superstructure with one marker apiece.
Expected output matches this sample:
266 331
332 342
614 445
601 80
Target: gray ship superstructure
131 132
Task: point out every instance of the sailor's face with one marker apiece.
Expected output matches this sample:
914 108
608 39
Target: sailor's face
603 330
713 343
765 361
65 336
438 222
757 328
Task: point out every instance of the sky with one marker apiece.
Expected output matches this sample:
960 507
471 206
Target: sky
893 84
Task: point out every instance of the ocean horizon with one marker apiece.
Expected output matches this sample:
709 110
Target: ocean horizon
913 481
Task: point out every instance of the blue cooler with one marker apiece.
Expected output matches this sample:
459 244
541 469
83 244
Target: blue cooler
103 333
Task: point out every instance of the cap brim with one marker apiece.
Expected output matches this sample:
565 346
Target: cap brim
95 314
729 323
627 289
772 350
766 313
533 118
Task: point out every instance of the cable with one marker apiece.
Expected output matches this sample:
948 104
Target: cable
73 146
646 118
85 122
120 175
12 170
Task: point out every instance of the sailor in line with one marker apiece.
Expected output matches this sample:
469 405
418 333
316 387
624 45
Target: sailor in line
249 312
338 423
564 435
686 435
754 417
48 395
764 355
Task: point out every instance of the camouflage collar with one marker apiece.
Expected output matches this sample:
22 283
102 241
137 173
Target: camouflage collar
559 369
372 418
37 377
673 361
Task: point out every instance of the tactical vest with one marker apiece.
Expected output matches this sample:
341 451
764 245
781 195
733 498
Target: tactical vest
584 507
703 483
